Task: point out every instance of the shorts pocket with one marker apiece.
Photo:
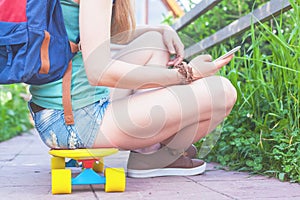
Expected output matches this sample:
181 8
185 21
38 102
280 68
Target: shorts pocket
53 131
51 128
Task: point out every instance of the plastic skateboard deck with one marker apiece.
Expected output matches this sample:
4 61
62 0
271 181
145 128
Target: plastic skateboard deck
84 154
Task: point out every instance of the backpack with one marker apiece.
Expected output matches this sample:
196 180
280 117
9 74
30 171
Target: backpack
34 46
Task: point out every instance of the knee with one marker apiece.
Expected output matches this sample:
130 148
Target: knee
153 39
222 93
152 42
230 95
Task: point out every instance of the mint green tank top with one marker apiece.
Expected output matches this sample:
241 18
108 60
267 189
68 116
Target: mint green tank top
50 95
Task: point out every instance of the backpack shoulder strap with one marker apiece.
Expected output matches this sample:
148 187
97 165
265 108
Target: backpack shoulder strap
66 97
75 47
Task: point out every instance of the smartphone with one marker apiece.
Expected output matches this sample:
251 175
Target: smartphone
232 51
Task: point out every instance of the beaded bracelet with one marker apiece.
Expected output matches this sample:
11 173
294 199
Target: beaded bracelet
186 71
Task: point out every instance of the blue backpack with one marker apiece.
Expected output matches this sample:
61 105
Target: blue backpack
34 46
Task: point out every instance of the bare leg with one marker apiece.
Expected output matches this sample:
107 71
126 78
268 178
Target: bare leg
152 117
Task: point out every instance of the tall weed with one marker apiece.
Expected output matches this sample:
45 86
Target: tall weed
262 133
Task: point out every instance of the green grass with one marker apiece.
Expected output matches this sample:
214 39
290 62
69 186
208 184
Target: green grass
261 135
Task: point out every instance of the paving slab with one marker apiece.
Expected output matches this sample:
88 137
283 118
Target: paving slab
25 174
257 188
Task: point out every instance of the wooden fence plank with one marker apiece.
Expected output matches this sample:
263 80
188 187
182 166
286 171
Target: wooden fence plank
200 9
264 13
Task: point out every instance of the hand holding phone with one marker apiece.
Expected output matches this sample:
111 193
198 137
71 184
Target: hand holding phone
232 51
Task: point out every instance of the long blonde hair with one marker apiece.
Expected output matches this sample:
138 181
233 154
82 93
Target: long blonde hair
123 21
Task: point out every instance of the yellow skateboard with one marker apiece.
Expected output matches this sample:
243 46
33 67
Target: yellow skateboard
114 179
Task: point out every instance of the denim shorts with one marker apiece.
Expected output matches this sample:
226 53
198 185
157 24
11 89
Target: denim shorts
56 134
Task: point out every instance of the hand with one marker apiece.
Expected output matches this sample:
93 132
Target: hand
173 44
203 66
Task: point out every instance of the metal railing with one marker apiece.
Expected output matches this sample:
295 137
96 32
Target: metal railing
263 13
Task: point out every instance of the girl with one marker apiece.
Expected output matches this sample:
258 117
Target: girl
173 108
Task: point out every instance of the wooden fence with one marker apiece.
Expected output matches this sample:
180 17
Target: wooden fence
263 13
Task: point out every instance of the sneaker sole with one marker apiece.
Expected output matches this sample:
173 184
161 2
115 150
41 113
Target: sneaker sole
149 173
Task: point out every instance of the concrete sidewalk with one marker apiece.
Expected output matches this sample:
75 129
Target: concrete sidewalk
25 174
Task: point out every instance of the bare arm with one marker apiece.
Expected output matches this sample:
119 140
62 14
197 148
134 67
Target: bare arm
101 69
